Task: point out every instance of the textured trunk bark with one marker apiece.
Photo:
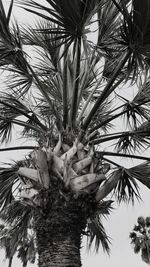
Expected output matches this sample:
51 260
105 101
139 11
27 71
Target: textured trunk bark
58 229
64 252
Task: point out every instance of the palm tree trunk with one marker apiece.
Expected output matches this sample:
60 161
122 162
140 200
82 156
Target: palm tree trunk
58 229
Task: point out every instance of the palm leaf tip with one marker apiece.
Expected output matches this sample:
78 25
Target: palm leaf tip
127 188
8 177
97 235
141 173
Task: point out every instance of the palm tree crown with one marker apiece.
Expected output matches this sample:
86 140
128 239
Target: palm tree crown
64 91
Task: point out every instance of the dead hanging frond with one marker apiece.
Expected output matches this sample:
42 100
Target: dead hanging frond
97 235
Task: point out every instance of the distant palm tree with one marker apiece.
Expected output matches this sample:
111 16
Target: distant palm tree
140 238
64 92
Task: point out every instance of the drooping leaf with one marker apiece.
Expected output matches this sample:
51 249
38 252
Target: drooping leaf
97 235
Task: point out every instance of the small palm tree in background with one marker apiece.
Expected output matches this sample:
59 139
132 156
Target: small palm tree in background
64 93
140 238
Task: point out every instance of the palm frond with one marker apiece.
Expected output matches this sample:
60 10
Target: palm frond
108 22
70 17
104 208
48 42
141 172
11 105
132 141
5 130
97 234
10 11
143 94
18 81
27 251
17 212
15 235
6 127
134 30
95 229
48 99
127 188
11 52
12 56
8 177
107 90
4 30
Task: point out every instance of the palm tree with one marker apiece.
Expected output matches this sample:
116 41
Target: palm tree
140 238
64 93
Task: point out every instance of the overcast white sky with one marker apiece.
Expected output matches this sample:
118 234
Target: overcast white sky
118 226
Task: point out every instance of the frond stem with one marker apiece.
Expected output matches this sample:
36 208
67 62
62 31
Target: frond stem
113 154
76 85
112 162
65 96
18 148
112 137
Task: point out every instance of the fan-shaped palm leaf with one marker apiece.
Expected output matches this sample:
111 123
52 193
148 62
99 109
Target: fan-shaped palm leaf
127 186
97 233
95 229
15 237
71 17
